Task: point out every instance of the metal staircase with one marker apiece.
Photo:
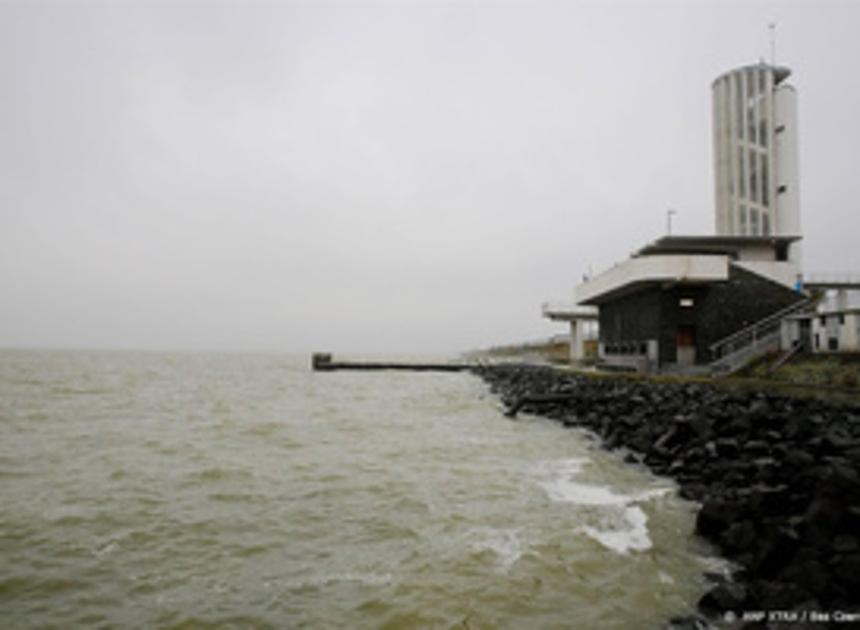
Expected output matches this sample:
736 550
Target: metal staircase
740 348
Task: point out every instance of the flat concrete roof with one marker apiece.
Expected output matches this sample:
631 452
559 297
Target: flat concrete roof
780 73
725 245
639 272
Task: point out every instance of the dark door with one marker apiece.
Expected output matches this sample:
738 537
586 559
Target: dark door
685 343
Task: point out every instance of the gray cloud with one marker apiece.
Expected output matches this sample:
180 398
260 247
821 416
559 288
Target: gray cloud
387 176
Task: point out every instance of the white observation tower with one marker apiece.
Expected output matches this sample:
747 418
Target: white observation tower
755 154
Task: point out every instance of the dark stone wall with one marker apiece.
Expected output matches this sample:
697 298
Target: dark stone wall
745 299
719 309
634 317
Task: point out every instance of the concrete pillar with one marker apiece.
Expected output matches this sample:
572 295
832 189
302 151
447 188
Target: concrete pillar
577 340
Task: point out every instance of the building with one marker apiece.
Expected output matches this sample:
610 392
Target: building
833 327
713 303
688 301
755 154
583 328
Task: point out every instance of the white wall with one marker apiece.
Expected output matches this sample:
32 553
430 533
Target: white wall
785 273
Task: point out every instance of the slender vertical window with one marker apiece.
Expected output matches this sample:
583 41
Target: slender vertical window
739 105
731 169
754 222
727 146
743 220
763 113
742 178
765 224
751 130
765 181
750 100
751 165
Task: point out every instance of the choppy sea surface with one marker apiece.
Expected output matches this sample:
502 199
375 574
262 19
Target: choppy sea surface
245 491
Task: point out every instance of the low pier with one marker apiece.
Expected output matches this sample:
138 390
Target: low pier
322 362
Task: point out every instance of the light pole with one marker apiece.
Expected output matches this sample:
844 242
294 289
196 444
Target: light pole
669 214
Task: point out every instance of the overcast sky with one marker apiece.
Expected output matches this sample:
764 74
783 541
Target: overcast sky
393 177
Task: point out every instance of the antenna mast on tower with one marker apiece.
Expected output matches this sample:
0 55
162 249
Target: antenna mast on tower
772 28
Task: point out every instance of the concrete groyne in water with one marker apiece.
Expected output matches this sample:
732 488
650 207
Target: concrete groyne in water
778 479
323 362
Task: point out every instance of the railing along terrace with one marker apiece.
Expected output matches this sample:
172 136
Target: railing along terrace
750 336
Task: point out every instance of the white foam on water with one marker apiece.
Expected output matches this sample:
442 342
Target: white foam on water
665 578
504 543
613 519
624 533
106 548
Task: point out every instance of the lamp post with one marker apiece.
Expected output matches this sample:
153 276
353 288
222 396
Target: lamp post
669 214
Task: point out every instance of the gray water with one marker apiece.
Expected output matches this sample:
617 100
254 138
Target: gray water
244 491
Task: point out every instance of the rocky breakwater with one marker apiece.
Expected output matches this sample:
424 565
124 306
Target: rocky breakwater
778 479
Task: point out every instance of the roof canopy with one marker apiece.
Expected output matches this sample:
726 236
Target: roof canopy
725 245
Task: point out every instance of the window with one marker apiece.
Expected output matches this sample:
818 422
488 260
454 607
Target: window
742 186
762 110
754 222
751 126
753 175
727 145
765 183
779 129
781 189
765 224
751 99
739 106
687 302
743 220
841 319
727 108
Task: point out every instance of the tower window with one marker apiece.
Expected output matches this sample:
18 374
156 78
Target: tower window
739 105
781 188
753 175
754 222
765 183
765 224
751 118
779 129
743 213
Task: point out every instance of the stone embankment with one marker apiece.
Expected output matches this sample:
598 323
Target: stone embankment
778 478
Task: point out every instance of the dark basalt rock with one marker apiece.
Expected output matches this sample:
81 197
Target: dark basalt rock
778 478
724 597
715 517
739 537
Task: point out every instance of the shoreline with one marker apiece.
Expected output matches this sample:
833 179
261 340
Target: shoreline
777 477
